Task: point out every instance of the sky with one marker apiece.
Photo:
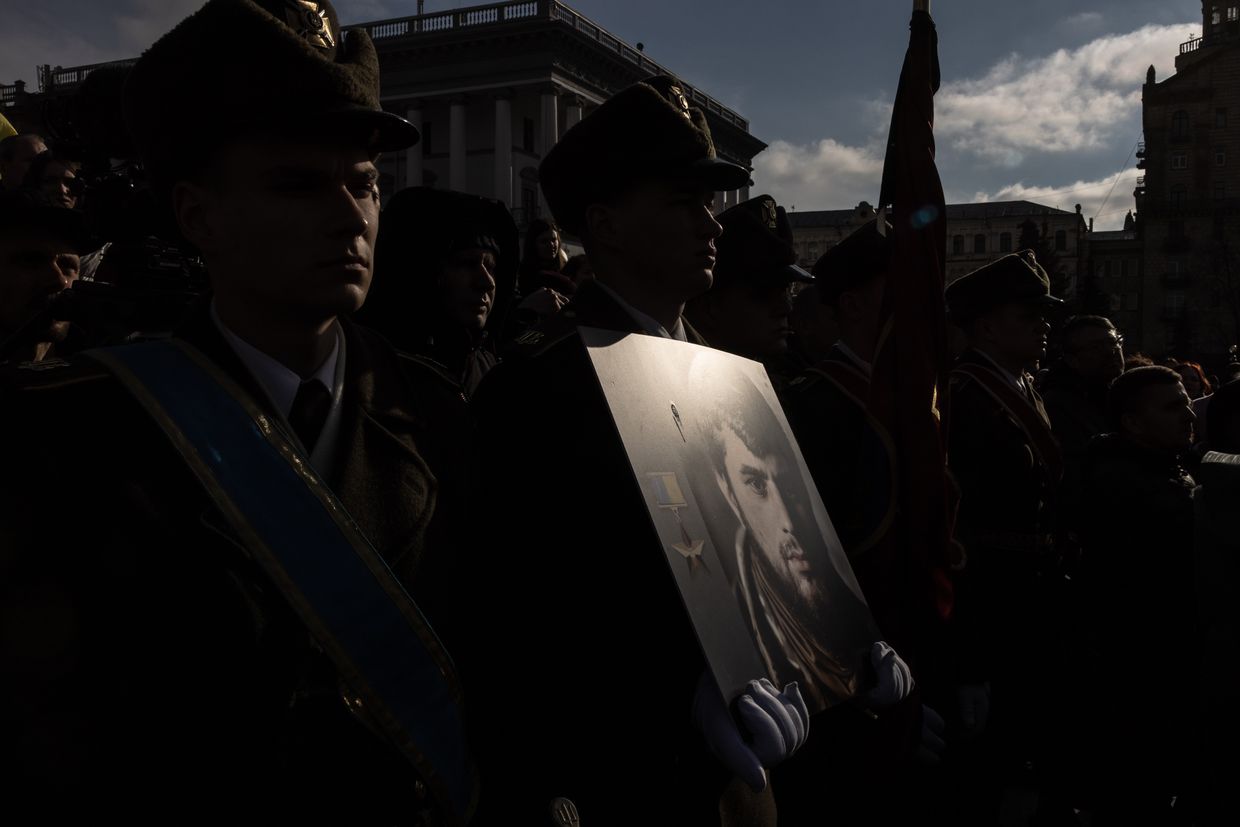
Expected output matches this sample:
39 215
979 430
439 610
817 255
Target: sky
1040 101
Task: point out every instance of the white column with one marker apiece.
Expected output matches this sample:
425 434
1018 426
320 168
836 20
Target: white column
413 155
550 133
720 201
503 148
456 145
572 114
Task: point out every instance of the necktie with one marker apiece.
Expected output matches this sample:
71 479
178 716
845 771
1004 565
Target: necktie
309 412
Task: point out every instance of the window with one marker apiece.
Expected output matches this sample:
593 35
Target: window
979 243
1123 268
1175 230
1233 14
957 245
1216 17
1179 194
1220 118
1061 241
1174 301
527 135
1005 242
1132 301
1179 160
1220 190
1220 156
1106 269
1179 124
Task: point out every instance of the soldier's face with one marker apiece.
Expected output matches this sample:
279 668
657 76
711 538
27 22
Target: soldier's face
751 486
756 320
1018 332
287 229
33 268
667 235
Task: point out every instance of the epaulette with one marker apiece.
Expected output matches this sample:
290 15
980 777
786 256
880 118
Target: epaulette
538 340
803 382
52 374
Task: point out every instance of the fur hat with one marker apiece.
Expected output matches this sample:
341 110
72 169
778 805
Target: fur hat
237 65
756 246
857 259
1012 279
648 131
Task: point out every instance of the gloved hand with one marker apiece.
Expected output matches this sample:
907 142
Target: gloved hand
777 724
932 744
974 700
895 679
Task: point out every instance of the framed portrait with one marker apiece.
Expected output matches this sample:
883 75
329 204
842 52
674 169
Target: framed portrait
762 573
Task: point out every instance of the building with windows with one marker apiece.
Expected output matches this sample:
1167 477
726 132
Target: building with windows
976 234
1116 279
1188 200
491 88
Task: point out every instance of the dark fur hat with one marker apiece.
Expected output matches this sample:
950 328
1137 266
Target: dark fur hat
858 259
1013 279
756 246
648 131
239 65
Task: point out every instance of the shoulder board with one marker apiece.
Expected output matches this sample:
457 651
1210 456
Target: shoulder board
50 374
537 341
803 382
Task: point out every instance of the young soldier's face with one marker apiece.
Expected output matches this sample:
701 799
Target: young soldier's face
1164 418
287 228
668 233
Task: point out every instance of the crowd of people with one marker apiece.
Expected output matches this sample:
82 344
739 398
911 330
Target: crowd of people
344 531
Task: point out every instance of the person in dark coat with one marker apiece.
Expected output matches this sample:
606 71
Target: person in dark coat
1137 526
852 461
747 309
1008 467
1075 390
445 273
153 666
572 558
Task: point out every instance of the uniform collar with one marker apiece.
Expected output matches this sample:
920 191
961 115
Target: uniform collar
644 321
1013 379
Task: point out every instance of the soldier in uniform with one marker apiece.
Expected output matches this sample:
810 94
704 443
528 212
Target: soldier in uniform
748 307
571 558
1008 467
199 618
852 460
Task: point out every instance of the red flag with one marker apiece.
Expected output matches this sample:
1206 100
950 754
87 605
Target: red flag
908 391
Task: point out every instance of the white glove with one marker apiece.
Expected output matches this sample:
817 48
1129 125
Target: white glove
974 700
895 679
932 744
777 722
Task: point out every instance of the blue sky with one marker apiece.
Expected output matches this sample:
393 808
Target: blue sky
1040 100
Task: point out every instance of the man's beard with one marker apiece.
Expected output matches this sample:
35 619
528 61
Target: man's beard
803 592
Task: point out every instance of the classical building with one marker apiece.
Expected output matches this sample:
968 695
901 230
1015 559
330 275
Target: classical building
492 88
976 234
1189 198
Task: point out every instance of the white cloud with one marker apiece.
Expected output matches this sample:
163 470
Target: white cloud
827 172
1107 199
1086 22
1069 101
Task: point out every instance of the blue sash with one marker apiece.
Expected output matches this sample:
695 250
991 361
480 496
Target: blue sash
295 528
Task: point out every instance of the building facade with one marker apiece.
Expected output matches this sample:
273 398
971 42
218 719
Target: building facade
1189 198
1115 282
492 88
976 235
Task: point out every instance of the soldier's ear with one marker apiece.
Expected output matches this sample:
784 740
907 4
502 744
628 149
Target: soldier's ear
191 206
